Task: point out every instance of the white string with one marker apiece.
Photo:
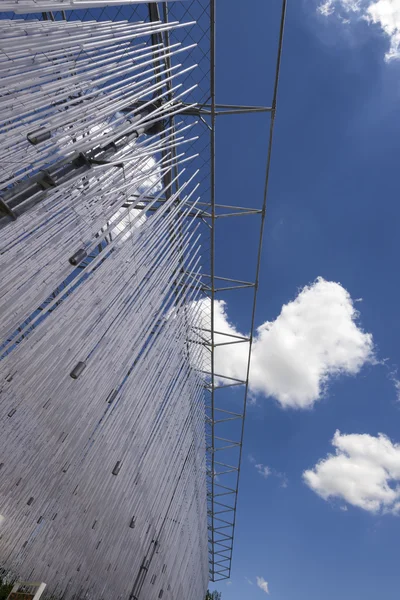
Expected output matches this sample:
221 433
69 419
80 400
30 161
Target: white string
27 6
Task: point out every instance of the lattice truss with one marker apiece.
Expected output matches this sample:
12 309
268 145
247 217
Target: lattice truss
109 219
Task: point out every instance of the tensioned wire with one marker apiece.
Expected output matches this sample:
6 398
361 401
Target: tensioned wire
29 6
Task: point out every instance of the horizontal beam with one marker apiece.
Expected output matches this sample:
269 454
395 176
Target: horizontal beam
221 376
223 109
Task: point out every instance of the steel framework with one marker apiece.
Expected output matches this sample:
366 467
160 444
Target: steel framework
224 426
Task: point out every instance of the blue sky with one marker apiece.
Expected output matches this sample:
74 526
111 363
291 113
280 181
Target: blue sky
333 212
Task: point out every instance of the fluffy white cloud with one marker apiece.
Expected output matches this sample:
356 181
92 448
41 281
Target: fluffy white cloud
386 14
262 584
315 337
383 13
364 471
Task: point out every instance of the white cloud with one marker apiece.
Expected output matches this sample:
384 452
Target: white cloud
263 470
152 172
315 337
262 584
383 13
364 472
394 379
283 478
352 5
326 8
397 388
386 14
133 218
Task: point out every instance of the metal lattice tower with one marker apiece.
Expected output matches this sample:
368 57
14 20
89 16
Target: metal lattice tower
224 426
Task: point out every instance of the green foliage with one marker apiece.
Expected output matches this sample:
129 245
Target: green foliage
5 589
213 595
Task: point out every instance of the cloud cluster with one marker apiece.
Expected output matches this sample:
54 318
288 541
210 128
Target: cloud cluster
315 337
266 471
383 13
262 584
364 472
133 218
263 470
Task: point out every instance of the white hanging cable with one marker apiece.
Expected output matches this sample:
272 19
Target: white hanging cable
35 6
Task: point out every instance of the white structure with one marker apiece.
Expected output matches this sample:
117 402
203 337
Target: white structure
24 588
33 6
102 485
